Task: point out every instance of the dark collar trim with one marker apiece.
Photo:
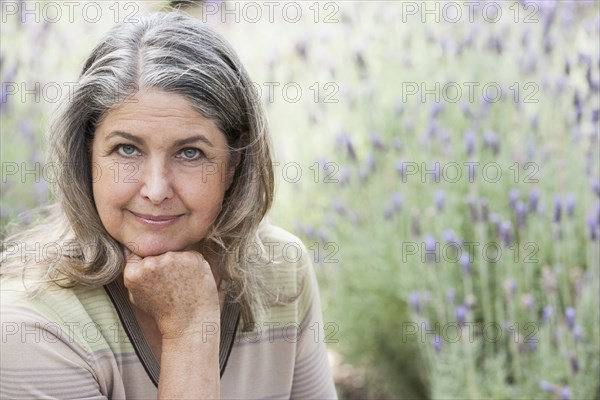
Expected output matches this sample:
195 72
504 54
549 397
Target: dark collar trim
230 316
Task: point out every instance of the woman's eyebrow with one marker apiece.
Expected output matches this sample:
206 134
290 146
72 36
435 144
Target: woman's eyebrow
177 143
125 135
192 139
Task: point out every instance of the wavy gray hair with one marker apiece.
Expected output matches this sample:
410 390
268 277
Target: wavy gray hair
174 53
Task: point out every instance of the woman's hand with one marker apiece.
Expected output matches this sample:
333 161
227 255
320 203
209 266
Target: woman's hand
177 289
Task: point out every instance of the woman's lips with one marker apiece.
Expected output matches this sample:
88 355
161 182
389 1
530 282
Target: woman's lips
156 220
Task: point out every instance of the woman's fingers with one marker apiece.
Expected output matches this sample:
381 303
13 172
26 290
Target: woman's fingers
176 288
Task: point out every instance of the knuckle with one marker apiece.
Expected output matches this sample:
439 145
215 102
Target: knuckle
169 257
150 263
131 275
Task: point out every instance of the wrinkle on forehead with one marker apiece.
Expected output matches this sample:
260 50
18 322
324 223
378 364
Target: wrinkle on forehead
169 115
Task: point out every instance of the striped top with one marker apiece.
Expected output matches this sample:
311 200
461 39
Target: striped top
85 343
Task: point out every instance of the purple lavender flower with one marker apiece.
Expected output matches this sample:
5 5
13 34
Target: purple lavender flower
470 142
414 300
377 141
557 209
547 314
437 343
534 122
531 345
388 213
448 236
570 206
307 230
396 201
440 198
301 46
343 140
495 219
461 314
465 263
490 140
432 130
592 226
430 249
400 168
528 301
513 196
506 232
345 174
578 333
534 198
570 317
547 387
472 209
578 107
485 210
521 213
350 150
339 207
371 163
510 287
465 107
593 84
574 363
565 393
445 140
435 109
415 225
323 234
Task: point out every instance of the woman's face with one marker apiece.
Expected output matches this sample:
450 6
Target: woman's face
160 172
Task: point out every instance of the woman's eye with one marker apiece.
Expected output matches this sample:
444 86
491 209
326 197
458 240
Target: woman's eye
191 154
127 150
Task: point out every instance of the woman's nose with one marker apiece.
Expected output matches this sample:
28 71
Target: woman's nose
156 182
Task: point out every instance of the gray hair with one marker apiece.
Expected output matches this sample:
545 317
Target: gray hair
174 53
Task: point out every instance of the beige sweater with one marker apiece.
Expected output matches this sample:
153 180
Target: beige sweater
84 343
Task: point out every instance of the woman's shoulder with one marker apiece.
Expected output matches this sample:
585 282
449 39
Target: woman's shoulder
71 315
282 247
289 268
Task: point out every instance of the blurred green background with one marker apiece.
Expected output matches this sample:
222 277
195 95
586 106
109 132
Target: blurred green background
439 159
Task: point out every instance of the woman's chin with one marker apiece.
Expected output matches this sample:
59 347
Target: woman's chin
154 250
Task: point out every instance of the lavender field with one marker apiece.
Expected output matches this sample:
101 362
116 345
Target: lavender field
441 164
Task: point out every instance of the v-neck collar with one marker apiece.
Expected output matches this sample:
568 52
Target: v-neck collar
230 316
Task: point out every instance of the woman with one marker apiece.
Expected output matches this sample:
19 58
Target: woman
157 247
